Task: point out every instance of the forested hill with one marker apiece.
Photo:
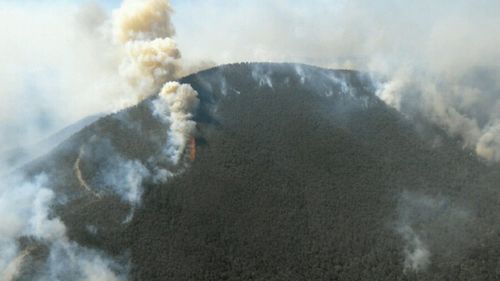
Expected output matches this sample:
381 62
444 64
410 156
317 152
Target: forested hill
301 173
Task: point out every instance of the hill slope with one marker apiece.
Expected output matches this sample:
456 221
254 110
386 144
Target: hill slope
301 173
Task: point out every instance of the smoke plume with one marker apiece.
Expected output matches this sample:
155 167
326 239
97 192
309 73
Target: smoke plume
128 56
116 173
175 106
432 228
417 256
26 214
62 63
144 30
87 60
440 64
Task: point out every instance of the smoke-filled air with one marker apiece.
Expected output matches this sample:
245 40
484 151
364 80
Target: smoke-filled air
136 40
249 140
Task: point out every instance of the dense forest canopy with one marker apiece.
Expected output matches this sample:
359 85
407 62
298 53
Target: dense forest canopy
301 173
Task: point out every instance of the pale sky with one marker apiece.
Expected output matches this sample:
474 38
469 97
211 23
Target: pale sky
48 72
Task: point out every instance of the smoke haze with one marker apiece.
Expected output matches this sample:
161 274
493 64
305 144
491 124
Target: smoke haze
129 52
64 61
438 59
176 106
143 29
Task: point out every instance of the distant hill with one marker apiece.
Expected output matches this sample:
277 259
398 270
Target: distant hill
15 157
301 173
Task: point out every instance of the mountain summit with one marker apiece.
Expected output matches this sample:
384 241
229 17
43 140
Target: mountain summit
293 172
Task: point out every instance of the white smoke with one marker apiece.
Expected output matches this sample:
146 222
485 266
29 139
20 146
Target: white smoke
432 227
142 20
25 207
113 61
69 261
262 76
116 173
442 63
175 106
454 107
488 144
126 177
86 61
417 256
56 68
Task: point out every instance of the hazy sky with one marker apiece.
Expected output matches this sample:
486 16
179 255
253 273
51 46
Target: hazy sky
63 60
54 73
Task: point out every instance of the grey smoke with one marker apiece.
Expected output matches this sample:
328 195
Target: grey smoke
432 227
262 76
137 61
25 206
417 255
441 63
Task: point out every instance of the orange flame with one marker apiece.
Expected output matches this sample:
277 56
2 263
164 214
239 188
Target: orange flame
192 149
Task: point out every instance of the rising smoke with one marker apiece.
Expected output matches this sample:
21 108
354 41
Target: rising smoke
435 58
176 106
417 256
442 63
144 30
25 206
86 61
137 56
432 228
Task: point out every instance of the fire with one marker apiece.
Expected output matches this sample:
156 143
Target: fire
192 149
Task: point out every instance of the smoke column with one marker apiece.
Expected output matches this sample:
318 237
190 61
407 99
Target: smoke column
136 42
441 63
144 30
175 106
